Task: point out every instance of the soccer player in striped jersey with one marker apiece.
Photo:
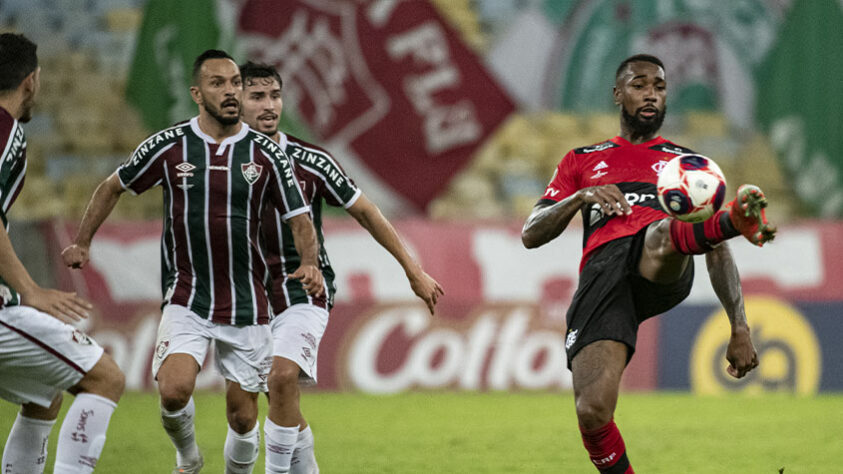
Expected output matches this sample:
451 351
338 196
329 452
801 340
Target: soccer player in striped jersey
218 177
40 354
636 262
301 319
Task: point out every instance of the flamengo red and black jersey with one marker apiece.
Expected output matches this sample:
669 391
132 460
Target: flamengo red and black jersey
321 179
214 195
12 173
633 168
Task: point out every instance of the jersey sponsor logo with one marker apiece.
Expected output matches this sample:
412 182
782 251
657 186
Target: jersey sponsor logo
658 167
218 168
185 170
600 166
321 162
595 148
551 192
599 174
151 143
571 338
667 148
18 144
638 198
251 172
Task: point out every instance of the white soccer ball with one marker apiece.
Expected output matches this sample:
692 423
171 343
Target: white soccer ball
691 188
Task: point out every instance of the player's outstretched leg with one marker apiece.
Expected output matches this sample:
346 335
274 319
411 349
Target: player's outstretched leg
82 434
745 215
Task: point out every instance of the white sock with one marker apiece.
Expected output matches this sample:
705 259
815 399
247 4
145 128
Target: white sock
280 442
82 434
241 450
26 447
304 459
179 426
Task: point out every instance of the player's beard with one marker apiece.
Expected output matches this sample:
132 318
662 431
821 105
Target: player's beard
216 113
643 128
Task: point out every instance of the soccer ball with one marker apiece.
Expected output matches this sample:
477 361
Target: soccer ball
691 188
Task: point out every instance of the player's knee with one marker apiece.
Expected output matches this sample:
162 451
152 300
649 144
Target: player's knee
593 412
113 378
282 377
242 421
104 379
174 396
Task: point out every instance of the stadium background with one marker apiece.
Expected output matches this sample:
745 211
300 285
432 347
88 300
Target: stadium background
452 115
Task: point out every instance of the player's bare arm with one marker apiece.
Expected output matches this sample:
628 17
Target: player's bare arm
102 203
62 305
548 221
304 238
727 285
369 216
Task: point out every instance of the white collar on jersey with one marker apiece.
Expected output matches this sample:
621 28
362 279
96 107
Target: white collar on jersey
282 140
244 129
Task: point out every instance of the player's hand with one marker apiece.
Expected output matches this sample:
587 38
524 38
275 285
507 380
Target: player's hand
426 288
75 256
740 353
311 279
609 197
64 306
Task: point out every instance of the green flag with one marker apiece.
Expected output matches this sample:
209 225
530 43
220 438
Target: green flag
800 105
172 35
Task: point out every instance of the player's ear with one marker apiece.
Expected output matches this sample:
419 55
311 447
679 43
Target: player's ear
196 95
616 95
31 82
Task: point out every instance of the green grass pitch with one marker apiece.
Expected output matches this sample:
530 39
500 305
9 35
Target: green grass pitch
449 432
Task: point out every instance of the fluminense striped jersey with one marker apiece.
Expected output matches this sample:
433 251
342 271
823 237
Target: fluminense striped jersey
214 196
321 179
12 173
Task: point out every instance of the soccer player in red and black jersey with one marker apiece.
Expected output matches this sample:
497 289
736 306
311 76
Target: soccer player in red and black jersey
636 261
41 355
301 319
218 177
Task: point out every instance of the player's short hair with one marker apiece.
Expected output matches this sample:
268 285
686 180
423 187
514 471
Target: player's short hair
649 58
250 70
208 54
17 60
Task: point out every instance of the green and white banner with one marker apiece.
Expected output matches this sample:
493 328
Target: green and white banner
800 104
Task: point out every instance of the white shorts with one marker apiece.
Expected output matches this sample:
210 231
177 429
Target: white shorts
296 333
243 354
41 356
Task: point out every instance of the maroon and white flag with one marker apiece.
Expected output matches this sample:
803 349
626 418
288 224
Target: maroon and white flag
387 82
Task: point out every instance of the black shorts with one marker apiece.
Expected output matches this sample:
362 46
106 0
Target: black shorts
612 298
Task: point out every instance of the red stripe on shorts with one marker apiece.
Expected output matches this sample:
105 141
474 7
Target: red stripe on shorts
46 348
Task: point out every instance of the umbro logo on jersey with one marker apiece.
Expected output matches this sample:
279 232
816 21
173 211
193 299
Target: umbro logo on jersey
600 166
251 172
185 170
599 174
